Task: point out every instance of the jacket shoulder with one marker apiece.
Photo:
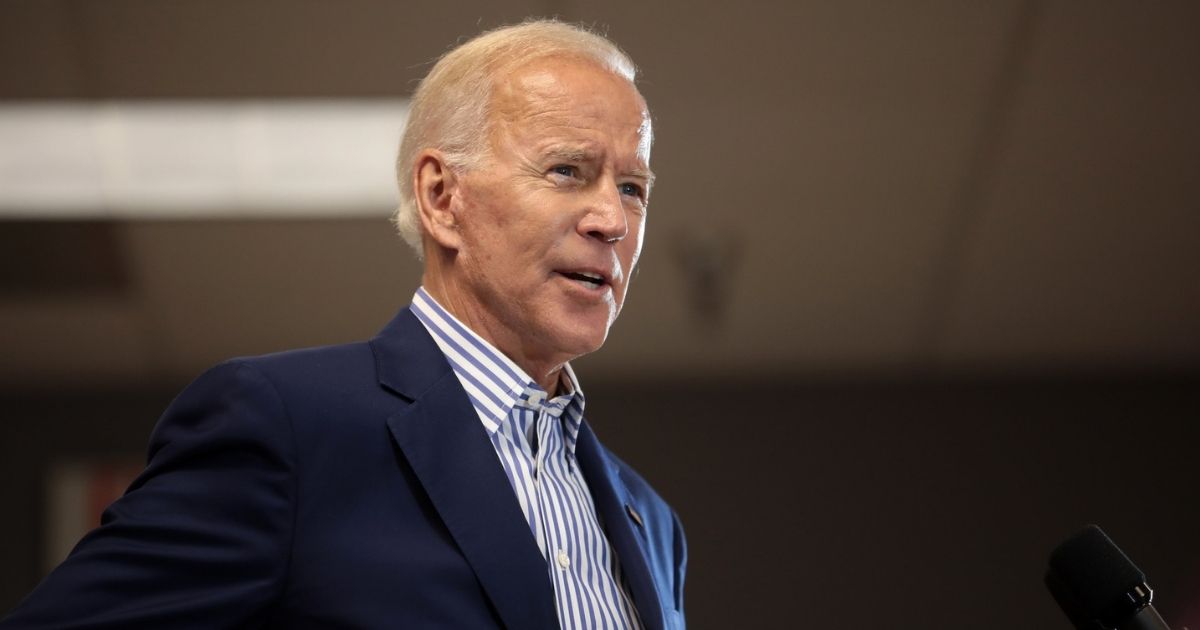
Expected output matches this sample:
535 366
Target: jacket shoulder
312 362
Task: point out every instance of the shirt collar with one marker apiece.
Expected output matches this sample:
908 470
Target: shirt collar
492 381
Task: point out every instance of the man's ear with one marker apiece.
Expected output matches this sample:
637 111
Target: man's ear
435 187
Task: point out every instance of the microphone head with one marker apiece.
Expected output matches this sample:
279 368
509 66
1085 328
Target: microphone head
1097 580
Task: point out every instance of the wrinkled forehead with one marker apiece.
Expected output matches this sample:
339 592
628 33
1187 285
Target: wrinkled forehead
539 72
556 92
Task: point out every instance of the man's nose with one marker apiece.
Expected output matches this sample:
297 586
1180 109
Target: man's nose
605 219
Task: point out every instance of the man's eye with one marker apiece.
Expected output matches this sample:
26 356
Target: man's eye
631 189
565 170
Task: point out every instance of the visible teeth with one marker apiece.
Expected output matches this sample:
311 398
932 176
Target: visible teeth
591 276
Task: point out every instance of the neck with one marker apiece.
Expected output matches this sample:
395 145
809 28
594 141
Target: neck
544 371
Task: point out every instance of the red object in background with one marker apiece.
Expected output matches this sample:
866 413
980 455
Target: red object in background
106 483
78 492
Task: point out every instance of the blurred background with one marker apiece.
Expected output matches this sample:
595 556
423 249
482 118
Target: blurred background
919 297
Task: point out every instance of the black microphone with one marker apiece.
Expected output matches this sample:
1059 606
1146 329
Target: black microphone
1098 587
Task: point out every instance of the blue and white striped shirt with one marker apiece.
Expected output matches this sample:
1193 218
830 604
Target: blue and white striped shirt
535 438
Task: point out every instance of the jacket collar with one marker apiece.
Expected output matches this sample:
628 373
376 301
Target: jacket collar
442 439
444 443
407 361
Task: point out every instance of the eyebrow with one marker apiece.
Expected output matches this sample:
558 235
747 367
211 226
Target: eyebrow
644 173
572 154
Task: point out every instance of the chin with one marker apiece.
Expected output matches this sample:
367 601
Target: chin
576 332
577 342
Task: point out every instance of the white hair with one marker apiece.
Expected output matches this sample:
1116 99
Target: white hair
451 107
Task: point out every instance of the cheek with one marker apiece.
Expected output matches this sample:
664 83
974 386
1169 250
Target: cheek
634 241
510 251
489 234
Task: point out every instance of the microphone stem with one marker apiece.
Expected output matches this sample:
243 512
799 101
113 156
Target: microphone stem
1146 619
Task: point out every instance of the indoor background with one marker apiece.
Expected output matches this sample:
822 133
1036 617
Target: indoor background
919 296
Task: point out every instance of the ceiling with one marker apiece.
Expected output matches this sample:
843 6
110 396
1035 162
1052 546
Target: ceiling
844 188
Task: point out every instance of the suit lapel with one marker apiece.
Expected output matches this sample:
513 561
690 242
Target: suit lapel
611 498
448 449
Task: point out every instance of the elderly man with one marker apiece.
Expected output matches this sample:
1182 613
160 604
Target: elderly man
440 475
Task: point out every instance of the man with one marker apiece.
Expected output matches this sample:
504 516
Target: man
441 474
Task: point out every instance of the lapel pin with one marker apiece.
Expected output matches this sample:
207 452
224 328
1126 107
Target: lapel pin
637 518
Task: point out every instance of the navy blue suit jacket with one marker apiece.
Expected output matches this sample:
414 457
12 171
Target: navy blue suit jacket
343 487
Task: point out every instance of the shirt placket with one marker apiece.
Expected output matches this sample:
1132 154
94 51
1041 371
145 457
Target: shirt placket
555 521
532 473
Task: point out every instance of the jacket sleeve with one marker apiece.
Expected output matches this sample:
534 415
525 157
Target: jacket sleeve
680 553
201 539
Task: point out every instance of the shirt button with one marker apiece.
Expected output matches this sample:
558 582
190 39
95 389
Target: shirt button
563 560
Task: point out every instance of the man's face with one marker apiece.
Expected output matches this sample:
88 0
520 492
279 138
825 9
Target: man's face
552 222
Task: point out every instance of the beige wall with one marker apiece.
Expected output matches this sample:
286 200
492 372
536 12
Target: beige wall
956 261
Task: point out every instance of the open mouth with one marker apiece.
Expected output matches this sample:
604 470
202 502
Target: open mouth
590 280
